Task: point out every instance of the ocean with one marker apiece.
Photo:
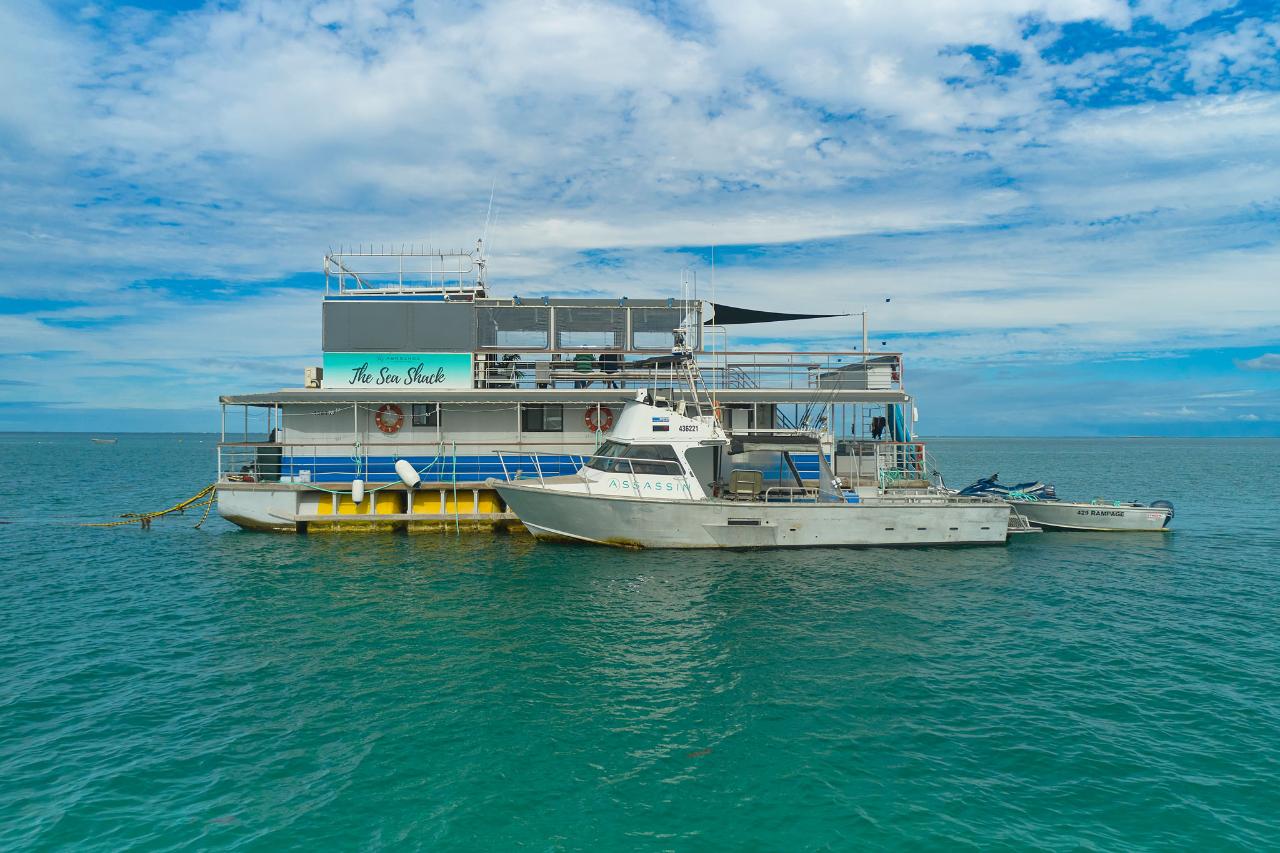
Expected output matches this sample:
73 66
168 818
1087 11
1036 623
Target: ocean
176 688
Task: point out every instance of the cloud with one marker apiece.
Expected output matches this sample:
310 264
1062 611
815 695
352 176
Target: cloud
1266 361
1245 53
1050 180
1179 13
1226 395
41 66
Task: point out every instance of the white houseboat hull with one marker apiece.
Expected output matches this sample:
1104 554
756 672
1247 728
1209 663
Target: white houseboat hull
1068 515
294 508
650 523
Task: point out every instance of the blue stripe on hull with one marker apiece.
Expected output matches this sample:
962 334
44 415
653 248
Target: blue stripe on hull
443 469
462 469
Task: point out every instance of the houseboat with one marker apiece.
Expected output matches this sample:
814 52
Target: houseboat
429 389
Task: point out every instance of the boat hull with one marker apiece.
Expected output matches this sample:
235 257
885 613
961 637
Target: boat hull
1067 515
296 508
648 523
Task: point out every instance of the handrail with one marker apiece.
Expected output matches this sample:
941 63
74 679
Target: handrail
901 462
792 491
882 358
305 463
583 463
388 444
737 370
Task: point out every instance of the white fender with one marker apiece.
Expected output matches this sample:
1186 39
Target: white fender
408 474
357 491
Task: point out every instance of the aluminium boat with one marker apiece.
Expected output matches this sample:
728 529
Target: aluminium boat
672 478
1039 505
1097 515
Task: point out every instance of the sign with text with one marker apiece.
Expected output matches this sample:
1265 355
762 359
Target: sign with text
404 371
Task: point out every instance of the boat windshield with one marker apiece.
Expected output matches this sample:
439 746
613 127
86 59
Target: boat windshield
617 458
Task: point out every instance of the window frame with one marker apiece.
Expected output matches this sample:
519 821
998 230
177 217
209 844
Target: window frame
528 409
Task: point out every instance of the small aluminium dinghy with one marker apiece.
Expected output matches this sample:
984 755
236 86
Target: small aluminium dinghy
1039 504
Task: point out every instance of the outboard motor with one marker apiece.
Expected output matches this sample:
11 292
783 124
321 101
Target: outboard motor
1164 505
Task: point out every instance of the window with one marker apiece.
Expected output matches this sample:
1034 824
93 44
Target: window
548 418
615 457
426 414
591 328
651 328
513 326
663 458
602 461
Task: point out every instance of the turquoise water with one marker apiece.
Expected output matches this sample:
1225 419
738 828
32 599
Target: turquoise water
213 688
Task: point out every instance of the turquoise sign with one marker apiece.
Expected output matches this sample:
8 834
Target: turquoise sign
408 371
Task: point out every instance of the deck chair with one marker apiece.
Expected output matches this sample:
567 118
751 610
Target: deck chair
745 484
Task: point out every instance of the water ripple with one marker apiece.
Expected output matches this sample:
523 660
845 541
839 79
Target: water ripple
191 689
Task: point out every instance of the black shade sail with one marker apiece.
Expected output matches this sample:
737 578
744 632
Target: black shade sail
728 315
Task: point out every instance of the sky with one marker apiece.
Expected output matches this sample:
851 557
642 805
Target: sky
1066 213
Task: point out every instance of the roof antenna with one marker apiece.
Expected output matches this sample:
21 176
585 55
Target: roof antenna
481 273
484 235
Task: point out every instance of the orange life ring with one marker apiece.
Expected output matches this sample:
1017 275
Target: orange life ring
599 419
390 418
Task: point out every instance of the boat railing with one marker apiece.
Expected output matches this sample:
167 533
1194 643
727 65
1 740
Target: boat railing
381 269
633 482
902 465
736 377
891 465
451 462
791 494
935 498
814 371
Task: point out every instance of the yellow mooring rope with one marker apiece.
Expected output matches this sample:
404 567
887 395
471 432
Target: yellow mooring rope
145 518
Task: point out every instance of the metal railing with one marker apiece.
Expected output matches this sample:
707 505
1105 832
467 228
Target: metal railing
327 463
393 269
633 482
818 372
888 464
791 494
579 462
902 465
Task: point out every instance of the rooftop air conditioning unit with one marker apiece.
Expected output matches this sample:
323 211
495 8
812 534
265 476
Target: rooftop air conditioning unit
312 377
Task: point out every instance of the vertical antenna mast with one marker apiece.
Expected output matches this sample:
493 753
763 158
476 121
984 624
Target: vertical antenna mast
484 235
481 277
724 373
